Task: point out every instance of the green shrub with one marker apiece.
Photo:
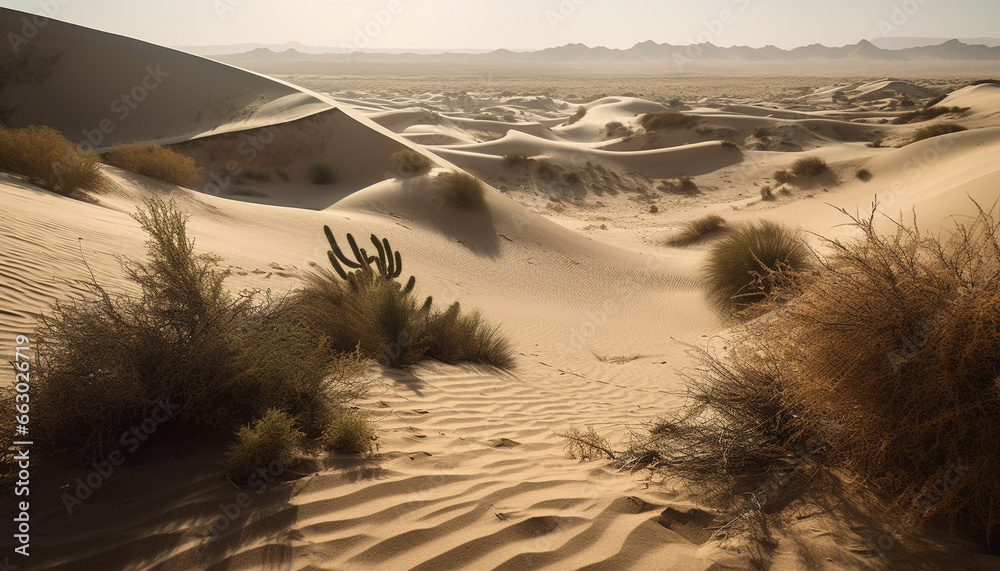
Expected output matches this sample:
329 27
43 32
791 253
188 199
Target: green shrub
667 120
272 438
698 229
107 361
864 175
350 432
409 163
740 266
322 173
49 160
936 130
462 190
809 166
155 161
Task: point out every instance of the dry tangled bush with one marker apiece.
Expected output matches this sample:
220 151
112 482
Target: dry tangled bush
49 160
667 120
409 163
155 161
885 363
462 190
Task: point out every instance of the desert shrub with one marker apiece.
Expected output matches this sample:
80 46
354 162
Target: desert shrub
654 209
515 159
182 347
740 266
615 130
351 432
783 177
809 166
49 160
727 144
581 112
864 175
271 438
667 120
587 445
462 190
698 229
936 130
409 163
155 161
369 309
321 173
766 193
926 114
681 185
452 336
762 132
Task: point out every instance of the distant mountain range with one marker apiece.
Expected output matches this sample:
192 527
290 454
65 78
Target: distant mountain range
914 42
646 51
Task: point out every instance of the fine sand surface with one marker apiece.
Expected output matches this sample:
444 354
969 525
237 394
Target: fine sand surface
470 471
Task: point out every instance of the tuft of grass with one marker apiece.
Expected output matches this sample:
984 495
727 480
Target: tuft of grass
667 120
616 130
272 438
936 131
783 177
698 229
766 193
809 166
462 190
155 161
351 432
927 113
864 175
49 160
742 266
409 163
762 133
322 173
452 337
107 360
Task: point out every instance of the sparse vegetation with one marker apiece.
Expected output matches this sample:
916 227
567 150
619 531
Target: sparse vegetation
409 163
741 266
49 160
322 173
462 190
783 177
155 161
864 175
615 130
809 166
936 131
766 193
511 160
698 229
581 112
762 133
183 349
681 185
350 433
926 114
272 438
892 342
667 120
727 144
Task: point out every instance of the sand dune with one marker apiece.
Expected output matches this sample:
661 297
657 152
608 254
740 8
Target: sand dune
470 472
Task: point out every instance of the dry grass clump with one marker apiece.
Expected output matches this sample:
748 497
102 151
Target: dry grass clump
272 438
183 351
926 114
864 175
617 130
741 265
409 163
155 161
369 309
350 433
49 160
515 159
667 120
698 229
783 177
936 130
462 190
809 166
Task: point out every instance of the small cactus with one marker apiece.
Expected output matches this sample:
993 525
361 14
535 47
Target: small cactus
364 270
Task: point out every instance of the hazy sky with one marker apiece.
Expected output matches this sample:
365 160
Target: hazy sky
523 24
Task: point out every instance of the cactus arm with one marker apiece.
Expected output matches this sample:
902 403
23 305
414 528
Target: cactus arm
409 285
359 254
381 262
336 265
336 249
399 266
